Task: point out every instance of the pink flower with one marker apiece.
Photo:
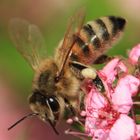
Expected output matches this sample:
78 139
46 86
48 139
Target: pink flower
138 131
134 54
107 113
134 59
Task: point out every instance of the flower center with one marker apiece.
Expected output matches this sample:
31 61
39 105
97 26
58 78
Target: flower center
107 116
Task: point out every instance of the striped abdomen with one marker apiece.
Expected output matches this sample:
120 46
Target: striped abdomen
96 37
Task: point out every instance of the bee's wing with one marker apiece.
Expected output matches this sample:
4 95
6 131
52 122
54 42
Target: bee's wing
28 40
74 26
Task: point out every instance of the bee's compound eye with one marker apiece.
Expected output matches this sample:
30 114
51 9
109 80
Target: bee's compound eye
37 96
53 103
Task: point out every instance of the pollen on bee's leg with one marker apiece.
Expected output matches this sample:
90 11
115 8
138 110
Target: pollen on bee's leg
89 73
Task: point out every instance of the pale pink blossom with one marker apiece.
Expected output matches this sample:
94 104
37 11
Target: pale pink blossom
107 113
138 130
112 69
134 54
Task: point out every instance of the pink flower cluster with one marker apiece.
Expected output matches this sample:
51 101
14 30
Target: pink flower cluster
107 113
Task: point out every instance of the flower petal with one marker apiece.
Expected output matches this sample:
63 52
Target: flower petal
138 131
134 54
109 70
123 129
100 134
93 101
122 67
126 87
90 125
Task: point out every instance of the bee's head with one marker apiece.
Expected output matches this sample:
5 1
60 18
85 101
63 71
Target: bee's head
44 101
49 108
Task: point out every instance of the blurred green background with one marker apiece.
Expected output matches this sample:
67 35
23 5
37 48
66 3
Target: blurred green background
51 16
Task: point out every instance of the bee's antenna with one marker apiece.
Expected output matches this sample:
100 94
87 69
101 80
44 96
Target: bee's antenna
23 118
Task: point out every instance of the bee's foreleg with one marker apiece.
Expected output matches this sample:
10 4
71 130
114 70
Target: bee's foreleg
82 72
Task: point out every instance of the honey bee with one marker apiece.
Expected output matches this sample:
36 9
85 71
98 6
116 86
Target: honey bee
57 81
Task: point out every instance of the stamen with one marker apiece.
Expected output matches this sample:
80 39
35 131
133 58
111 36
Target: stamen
80 135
